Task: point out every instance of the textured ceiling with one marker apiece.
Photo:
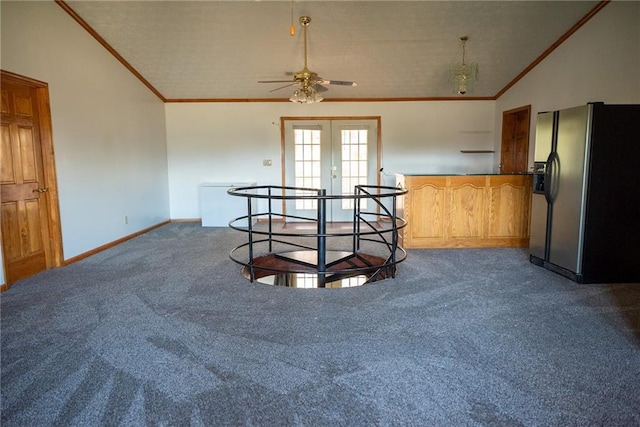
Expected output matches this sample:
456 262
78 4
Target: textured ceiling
392 49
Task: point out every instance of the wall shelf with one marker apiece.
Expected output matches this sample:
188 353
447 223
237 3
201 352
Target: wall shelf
476 151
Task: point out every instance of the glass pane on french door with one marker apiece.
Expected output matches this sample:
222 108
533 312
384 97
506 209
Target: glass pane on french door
334 155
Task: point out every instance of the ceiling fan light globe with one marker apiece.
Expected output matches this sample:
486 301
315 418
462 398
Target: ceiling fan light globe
295 97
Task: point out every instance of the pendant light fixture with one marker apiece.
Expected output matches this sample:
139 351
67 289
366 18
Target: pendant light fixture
463 76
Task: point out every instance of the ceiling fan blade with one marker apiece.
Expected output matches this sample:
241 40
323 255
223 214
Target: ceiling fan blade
276 81
285 86
338 82
319 88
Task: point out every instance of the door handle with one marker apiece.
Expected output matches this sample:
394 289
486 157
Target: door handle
547 177
41 190
551 179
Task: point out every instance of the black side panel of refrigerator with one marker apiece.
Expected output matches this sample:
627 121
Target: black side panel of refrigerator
611 250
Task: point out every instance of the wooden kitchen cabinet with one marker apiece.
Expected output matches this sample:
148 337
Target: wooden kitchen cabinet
466 211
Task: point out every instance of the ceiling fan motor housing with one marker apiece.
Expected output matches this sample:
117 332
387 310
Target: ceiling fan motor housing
306 77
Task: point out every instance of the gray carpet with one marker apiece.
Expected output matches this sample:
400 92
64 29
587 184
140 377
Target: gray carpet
164 331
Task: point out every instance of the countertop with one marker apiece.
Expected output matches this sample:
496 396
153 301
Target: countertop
463 174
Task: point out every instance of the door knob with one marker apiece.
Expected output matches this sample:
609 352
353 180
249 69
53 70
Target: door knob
41 190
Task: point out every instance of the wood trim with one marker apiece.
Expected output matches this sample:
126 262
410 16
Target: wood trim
187 220
378 118
112 244
107 46
422 99
50 177
23 80
517 110
553 47
283 176
379 148
283 119
222 100
412 99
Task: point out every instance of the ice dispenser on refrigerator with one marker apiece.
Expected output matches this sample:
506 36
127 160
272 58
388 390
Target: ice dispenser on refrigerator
539 170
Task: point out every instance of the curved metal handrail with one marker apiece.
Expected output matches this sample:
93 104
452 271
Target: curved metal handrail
366 228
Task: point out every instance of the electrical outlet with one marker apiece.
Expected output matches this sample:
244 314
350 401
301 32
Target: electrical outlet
266 162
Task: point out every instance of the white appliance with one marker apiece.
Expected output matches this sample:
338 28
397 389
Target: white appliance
217 207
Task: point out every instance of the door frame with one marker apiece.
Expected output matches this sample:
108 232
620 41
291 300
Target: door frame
283 120
508 118
53 247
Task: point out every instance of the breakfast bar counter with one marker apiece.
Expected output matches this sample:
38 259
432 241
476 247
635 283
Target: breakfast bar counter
466 210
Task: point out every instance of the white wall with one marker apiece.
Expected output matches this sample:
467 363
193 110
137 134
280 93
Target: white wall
600 62
108 128
226 142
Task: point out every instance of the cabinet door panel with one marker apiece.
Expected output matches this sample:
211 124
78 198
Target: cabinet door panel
467 205
427 206
507 216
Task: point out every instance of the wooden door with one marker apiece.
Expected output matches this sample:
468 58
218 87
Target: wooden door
26 237
515 140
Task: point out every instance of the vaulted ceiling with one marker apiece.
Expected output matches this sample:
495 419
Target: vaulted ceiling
219 50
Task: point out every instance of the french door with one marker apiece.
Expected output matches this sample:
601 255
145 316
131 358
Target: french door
334 155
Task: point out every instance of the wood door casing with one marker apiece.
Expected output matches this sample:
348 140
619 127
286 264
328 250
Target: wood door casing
515 140
31 240
330 127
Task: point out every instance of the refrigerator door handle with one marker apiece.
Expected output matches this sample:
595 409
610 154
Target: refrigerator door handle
548 174
554 181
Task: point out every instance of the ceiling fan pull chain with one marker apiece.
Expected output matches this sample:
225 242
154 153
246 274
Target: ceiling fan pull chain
292 28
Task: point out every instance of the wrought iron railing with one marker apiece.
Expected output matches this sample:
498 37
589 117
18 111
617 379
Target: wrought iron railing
281 244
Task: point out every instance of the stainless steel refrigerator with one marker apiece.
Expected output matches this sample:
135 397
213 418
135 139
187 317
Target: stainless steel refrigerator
585 218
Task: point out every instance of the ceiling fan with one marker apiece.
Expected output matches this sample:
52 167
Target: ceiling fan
310 83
